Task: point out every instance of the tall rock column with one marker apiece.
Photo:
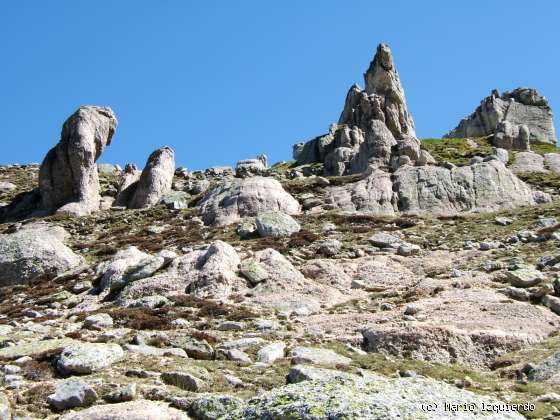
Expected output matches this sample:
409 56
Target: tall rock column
156 179
68 178
382 80
374 130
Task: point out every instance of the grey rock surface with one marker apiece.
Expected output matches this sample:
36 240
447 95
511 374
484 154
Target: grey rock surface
317 356
252 167
276 224
522 106
68 178
234 199
134 410
483 186
528 162
156 179
512 137
213 407
127 184
371 398
34 252
72 394
84 358
552 162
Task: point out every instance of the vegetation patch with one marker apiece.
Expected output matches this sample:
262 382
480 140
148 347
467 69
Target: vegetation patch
542 180
457 151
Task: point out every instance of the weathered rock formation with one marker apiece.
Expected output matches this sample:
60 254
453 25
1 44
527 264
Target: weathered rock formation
34 252
238 198
375 127
252 167
523 110
156 180
68 179
485 186
127 184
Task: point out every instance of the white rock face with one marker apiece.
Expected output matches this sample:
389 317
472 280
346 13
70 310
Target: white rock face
485 186
552 162
374 193
276 224
528 162
235 199
522 106
317 356
84 358
113 272
210 273
133 410
271 352
68 178
33 252
156 179
217 271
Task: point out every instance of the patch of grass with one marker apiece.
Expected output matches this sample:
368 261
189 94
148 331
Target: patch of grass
542 149
213 309
284 166
541 179
457 151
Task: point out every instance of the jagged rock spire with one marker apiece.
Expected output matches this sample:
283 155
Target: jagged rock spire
374 129
382 79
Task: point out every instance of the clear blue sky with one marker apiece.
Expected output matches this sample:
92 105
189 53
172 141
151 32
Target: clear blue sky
225 80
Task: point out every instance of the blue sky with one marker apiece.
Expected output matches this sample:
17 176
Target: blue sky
220 80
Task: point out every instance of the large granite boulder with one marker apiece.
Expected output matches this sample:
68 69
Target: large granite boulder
34 252
372 397
522 106
510 136
205 273
156 179
484 186
133 410
528 162
374 129
234 199
68 178
372 194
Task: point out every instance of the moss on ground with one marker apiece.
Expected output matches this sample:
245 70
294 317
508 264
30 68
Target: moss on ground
542 149
457 151
542 180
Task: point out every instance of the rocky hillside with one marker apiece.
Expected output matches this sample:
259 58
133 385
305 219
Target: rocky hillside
376 276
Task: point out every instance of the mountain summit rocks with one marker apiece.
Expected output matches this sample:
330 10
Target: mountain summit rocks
68 178
375 127
523 107
375 137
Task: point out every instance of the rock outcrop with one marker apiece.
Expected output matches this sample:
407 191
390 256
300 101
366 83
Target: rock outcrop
252 167
34 252
238 198
127 184
523 109
133 410
68 178
156 179
372 397
484 186
375 127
